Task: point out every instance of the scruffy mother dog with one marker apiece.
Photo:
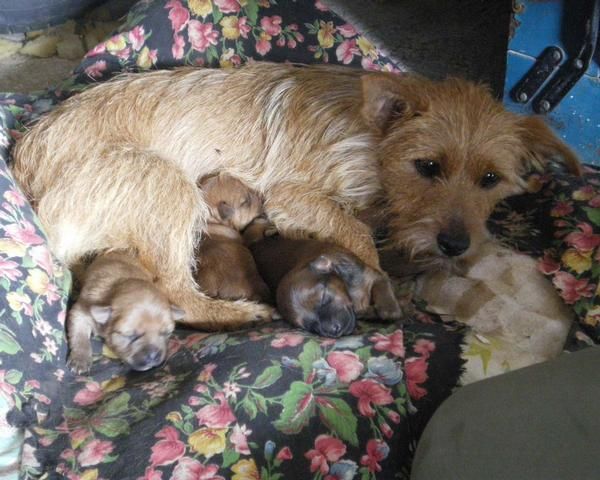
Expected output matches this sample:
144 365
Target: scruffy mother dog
116 167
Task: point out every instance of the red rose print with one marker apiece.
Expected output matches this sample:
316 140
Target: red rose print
216 416
168 450
201 35
327 449
548 265
416 374
572 289
94 452
178 14
284 454
377 450
584 240
393 343
370 392
346 364
424 347
271 25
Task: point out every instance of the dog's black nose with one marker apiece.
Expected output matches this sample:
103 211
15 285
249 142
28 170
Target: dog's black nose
452 244
332 328
147 358
153 357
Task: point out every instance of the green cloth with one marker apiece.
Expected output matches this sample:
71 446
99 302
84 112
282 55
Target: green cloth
540 422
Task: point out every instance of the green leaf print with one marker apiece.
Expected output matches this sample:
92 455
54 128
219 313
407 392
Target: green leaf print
338 416
298 408
268 377
7 342
310 353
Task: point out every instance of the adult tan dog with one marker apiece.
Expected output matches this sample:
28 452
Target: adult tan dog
116 167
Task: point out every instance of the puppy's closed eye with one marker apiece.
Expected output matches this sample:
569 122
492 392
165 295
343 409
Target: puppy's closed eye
131 337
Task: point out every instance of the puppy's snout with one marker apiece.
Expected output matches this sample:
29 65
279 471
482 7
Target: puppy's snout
337 324
147 358
454 241
332 328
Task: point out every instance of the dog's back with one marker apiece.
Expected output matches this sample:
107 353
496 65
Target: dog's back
103 274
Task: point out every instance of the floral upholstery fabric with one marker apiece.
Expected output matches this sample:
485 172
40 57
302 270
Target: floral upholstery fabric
271 403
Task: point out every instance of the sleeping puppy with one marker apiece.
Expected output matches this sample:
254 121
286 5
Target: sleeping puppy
319 286
225 267
120 302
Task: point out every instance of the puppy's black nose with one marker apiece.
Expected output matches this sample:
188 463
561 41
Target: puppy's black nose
153 357
453 244
331 329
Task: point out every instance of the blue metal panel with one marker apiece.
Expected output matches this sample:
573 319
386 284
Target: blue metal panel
537 25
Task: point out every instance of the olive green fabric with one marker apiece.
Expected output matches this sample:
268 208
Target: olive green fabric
540 422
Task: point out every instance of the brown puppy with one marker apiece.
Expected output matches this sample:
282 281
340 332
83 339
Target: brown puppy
119 301
319 286
225 267
320 144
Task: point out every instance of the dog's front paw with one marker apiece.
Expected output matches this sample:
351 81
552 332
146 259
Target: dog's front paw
384 300
79 363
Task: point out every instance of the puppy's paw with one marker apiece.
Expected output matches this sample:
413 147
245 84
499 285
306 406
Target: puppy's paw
384 300
79 363
244 315
263 313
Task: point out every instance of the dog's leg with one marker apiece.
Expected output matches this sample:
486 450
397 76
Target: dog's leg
298 210
79 325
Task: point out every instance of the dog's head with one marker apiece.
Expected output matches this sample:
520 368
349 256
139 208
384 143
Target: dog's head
316 299
137 324
448 153
230 202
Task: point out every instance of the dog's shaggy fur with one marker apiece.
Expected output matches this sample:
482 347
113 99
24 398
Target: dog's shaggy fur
116 166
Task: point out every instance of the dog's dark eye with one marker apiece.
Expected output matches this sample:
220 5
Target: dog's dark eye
489 180
428 168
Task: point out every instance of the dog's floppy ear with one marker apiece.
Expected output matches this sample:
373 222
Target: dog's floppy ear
386 99
541 145
177 313
101 313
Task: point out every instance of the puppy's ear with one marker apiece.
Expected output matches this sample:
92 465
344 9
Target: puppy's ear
208 182
542 145
323 264
101 313
225 210
386 99
177 313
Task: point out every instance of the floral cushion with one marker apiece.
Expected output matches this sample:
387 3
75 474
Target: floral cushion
271 403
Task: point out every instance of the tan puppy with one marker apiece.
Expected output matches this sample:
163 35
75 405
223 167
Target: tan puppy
314 141
225 267
502 296
120 302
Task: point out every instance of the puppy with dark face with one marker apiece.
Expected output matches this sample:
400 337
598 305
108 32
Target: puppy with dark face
225 267
319 286
120 302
